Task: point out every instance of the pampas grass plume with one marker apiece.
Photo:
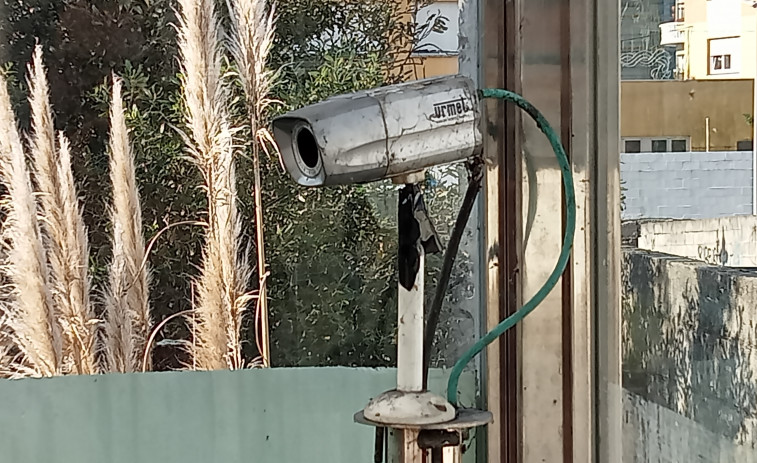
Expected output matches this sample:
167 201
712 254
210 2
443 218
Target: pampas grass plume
128 320
63 229
221 287
250 41
30 316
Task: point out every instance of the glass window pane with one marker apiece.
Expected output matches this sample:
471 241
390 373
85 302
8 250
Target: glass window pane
678 145
633 146
659 146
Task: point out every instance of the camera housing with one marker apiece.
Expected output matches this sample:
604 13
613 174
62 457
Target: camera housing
381 133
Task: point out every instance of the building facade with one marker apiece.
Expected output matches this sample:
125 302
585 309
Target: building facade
678 116
658 113
713 39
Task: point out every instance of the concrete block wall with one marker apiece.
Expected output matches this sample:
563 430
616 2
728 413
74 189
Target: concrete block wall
689 349
691 185
655 434
730 241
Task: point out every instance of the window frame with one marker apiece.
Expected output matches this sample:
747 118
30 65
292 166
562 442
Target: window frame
680 12
725 60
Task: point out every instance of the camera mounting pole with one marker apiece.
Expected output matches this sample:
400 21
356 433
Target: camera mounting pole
419 422
416 238
409 404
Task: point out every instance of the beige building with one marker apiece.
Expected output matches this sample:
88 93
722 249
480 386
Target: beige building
715 39
670 115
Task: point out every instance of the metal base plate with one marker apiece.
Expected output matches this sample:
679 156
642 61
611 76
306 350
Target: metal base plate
409 408
465 418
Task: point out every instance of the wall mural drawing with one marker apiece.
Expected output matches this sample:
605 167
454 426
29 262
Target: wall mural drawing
641 55
658 60
436 29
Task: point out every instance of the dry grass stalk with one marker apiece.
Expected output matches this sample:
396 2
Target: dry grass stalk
13 364
128 321
77 319
221 287
5 359
63 230
250 42
30 318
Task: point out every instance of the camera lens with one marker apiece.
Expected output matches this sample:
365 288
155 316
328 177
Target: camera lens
307 147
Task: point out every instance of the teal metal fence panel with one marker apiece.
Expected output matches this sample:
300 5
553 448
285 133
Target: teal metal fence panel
277 415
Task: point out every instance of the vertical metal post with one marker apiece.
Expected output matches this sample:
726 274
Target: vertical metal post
604 225
409 319
560 398
410 297
754 146
403 446
500 68
754 128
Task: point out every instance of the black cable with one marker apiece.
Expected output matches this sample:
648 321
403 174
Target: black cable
475 168
378 451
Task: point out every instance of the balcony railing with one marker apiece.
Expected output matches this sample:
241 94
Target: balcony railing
671 33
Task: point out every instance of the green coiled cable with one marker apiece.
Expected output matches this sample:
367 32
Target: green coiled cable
562 261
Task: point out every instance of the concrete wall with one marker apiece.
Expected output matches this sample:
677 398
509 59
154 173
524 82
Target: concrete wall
679 108
730 241
686 185
655 434
689 354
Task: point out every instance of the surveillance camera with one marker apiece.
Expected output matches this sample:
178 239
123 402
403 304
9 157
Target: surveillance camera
381 133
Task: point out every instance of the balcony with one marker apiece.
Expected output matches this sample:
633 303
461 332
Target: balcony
672 33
